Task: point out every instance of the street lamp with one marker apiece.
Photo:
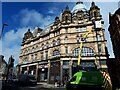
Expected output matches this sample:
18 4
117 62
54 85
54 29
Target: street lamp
3 29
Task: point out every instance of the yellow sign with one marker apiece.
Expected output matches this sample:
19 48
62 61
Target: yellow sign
81 44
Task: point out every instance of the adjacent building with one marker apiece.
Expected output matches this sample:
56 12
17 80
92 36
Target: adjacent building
114 30
3 67
52 53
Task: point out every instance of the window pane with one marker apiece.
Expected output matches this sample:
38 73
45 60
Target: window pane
65 62
85 52
66 30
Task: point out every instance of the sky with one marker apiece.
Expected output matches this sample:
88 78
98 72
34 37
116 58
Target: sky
23 15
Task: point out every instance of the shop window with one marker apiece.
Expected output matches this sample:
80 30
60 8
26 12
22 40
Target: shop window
65 62
103 62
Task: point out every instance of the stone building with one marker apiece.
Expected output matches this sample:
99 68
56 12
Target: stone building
3 67
52 53
114 30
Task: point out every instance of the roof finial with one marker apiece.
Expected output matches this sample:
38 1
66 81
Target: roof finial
79 1
93 3
67 8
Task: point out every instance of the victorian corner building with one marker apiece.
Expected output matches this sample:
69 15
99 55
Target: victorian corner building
52 53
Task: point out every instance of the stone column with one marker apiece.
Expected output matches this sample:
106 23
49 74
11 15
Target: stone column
37 67
28 69
20 70
61 70
70 68
48 80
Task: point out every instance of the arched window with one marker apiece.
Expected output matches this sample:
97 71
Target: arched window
66 30
56 53
77 30
54 42
58 41
37 48
33 49
25 59
77 39
26 52
42 46
85 52
42 55
47 45
46 54
75 52
66 39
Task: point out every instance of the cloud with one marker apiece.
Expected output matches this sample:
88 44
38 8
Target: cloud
12 43
52 10
33 18
13 38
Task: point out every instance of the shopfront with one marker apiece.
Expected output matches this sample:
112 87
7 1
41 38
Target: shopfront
24 70
32 70
54 72
65 71
43 72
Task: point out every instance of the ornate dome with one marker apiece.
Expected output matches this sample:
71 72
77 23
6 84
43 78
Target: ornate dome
79 7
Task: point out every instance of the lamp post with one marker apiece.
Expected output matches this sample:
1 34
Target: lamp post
2 30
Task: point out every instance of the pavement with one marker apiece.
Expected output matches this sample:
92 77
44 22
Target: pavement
46 85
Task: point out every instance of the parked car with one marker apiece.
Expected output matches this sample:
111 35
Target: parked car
26 79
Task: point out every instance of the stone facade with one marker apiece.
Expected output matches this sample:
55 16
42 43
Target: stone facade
52 53
3 67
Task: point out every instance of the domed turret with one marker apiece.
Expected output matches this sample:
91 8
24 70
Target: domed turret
79 7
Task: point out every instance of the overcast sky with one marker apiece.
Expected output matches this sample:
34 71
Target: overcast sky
23 15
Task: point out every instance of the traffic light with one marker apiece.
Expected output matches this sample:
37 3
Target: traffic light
11 62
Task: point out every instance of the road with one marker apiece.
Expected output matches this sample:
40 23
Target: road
38 87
